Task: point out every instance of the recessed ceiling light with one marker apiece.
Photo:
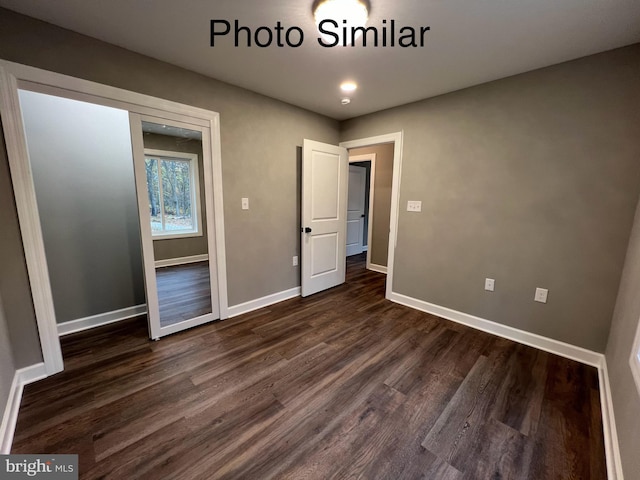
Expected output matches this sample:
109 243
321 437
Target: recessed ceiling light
346 13
348 86
345 101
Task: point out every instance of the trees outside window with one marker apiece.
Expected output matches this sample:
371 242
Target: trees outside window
172 184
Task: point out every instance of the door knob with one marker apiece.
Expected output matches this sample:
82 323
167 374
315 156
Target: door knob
307 230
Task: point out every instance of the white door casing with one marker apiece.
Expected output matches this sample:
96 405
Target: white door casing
324 216
355 209
396 139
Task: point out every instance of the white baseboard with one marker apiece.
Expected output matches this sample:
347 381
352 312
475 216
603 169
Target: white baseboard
100 319
22 377
579 354
611 446
263 302
365 248
377 268
170 262
36 372
533 340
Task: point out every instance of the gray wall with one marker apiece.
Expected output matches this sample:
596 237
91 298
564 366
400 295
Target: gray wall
531 180
181 247
626 317
379 244
82 168
14 281
7 366
259 136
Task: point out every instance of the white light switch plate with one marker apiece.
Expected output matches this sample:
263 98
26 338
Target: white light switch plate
541 295
414 206
245 204
489 284
295 261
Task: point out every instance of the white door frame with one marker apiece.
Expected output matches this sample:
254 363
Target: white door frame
371 158
395 138
14 76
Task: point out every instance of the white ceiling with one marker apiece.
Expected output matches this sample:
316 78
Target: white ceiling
470 42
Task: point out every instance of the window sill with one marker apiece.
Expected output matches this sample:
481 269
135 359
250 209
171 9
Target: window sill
169 236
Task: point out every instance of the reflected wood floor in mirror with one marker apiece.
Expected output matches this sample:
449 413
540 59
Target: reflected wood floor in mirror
342 384
184 292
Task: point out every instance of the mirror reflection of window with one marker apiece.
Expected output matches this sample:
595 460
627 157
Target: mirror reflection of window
172 185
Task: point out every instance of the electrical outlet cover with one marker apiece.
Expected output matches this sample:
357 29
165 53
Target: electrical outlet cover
489 284
541 295
414 206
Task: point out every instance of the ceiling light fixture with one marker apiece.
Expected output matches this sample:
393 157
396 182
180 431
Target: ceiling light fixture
345 13
349 86
345 101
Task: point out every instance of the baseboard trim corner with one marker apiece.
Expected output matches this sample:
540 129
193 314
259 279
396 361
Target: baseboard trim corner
579 354
550 345
377 268
611 446
171 262
258 303
22 377
81 324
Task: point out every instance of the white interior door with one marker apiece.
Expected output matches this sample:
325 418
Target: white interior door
355 209
324 216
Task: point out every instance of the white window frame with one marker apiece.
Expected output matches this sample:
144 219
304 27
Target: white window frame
196 215
634 361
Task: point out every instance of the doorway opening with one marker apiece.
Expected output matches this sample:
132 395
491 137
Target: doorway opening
19 82
384 198
82 159
374 165
82 168
325 177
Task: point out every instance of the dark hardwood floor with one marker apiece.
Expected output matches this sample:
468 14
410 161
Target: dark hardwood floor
342 384
184 292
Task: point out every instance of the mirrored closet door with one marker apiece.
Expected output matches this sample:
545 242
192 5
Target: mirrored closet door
173 172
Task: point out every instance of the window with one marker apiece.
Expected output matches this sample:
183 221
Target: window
635 359
174 193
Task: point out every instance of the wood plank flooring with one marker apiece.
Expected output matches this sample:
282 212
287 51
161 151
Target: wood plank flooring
184 292
342 384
